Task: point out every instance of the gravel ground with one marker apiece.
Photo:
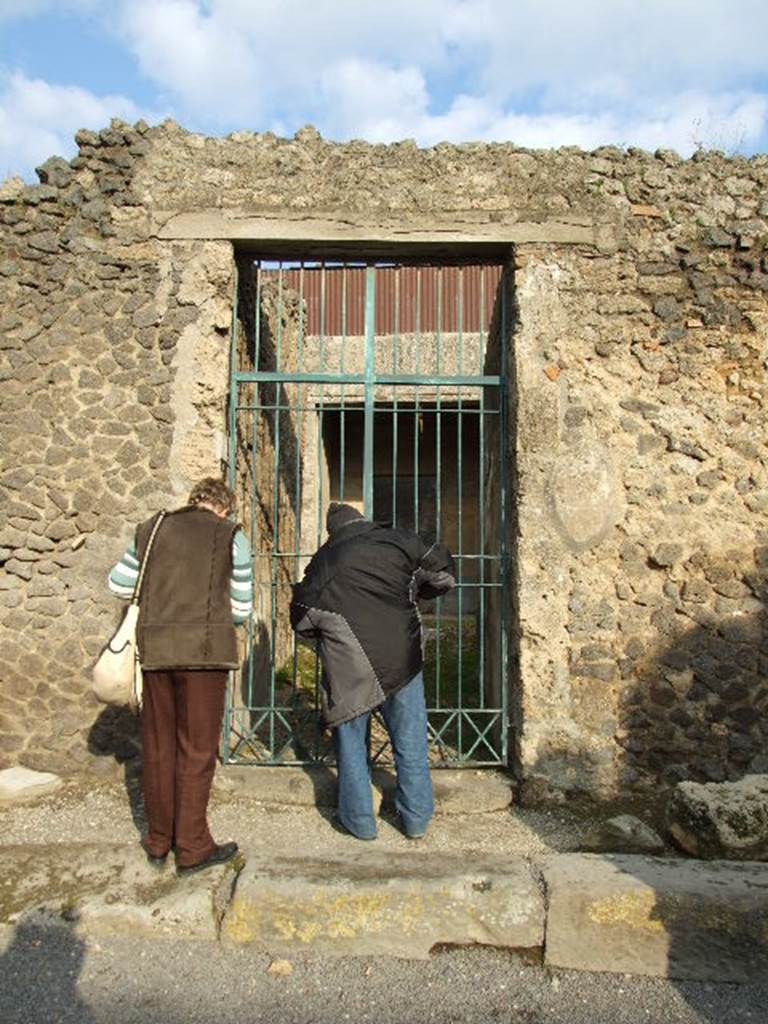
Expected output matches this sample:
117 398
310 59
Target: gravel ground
97 809
48 975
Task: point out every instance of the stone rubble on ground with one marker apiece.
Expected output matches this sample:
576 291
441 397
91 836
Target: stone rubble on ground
726 820
21 784
623 834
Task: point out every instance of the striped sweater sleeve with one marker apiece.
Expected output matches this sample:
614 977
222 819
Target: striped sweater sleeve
122 577
241 586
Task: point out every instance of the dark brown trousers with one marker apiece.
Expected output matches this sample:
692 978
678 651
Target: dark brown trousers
180 727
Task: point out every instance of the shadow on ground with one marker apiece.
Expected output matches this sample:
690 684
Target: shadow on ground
39 974
116 734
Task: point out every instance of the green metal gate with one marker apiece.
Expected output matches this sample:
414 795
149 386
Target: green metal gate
382 385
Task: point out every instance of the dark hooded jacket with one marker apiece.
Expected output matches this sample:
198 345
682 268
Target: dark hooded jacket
356 605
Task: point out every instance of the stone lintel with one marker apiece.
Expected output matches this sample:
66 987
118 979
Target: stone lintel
463 228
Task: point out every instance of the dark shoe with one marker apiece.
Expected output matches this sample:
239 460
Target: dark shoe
219 855
153 860
338 826
411 833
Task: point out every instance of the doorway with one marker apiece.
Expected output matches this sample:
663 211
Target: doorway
381 384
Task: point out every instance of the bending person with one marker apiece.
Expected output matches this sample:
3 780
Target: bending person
357 606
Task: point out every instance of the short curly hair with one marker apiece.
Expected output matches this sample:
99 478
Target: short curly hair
212 491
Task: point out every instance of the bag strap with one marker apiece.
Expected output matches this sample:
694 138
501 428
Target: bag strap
145 559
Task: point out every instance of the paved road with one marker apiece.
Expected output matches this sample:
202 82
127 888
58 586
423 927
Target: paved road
50 976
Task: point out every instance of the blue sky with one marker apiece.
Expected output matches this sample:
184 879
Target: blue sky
670 73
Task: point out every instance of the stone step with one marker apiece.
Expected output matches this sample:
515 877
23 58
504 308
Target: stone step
703 920
102 888
385 904
457 791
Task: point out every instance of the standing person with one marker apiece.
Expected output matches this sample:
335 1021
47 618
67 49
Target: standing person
357 606
198 585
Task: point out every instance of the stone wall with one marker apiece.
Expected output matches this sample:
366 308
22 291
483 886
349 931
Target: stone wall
114 356
638 653
644 377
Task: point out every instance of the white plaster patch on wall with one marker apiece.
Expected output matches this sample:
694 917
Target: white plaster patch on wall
543 579
184 407
585 499
201 379
542 318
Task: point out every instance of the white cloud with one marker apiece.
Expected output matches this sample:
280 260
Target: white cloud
683 122
237 61
563 50
205 60
372 101
540 73
38 120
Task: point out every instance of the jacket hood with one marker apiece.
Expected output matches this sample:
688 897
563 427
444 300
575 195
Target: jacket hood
340 515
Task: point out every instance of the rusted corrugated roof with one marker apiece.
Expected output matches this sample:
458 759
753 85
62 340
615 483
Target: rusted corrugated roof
409 300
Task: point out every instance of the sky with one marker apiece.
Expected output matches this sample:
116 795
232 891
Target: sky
677 74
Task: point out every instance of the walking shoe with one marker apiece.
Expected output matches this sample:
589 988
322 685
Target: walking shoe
153 859
338 826
411 833
219 855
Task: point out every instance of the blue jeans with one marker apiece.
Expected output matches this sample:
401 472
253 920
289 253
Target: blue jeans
405 716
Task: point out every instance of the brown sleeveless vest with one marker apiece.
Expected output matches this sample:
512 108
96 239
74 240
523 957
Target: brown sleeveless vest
185 617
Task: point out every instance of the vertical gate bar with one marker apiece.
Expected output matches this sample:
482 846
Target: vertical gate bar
438 274
234 400
252 539
320 451
395 367
460 490
279 338
256 412
504 282
302 321
370 371
481 343
257 324
342 367
416 408
276 545
320 444
233 392
298 480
